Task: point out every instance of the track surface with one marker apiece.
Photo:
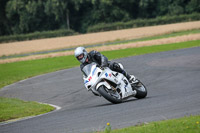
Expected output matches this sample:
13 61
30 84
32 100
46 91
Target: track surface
172 79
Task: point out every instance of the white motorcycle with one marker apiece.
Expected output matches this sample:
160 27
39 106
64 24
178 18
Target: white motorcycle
112 85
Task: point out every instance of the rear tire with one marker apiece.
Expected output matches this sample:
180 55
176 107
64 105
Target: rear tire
141 90
107 95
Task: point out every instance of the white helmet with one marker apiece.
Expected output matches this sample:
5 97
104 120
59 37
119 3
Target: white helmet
81 54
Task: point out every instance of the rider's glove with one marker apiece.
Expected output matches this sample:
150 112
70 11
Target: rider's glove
104 64
104 61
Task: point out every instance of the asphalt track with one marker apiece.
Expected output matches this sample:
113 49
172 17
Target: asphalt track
172 79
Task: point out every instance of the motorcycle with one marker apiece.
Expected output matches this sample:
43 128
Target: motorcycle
112 85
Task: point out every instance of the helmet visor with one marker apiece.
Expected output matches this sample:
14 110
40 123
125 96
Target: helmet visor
80 57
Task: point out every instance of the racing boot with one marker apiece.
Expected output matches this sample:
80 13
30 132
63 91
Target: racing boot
130 78
116 67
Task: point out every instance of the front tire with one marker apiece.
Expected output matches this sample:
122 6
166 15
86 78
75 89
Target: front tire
109 95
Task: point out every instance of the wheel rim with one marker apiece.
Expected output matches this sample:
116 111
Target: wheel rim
140 87
114 94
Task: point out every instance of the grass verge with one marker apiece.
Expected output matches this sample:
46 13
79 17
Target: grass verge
12 72
12 108
189 124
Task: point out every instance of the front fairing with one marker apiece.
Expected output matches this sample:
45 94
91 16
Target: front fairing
91 75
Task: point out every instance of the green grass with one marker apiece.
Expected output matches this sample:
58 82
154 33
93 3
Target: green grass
12 108
189 124
12 72
149 49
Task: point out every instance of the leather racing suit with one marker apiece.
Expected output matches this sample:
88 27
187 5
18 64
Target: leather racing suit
102 61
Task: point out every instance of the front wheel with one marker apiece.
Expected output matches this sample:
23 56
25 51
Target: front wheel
110 95
141 90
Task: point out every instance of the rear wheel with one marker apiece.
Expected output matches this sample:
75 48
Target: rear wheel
141 90
110 95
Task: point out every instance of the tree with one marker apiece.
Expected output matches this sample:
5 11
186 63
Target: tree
147 8
193 6
4 28
25 15
61 10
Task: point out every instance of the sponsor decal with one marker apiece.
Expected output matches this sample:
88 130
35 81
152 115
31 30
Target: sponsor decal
86 81
90 78
125 88
106 74
126 84
110 74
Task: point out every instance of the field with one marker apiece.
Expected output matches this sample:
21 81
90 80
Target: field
94 38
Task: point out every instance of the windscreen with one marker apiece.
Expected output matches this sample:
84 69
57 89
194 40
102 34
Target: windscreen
87 69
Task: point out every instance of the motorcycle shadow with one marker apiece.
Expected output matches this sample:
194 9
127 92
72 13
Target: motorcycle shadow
112 104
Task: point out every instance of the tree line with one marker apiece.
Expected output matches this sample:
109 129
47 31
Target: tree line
27 16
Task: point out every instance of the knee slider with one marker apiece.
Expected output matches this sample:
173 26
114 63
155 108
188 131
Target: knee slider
117 67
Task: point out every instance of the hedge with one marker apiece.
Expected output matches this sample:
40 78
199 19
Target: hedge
143 22
103 27
37 35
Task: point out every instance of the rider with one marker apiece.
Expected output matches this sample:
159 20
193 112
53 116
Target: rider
86 58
